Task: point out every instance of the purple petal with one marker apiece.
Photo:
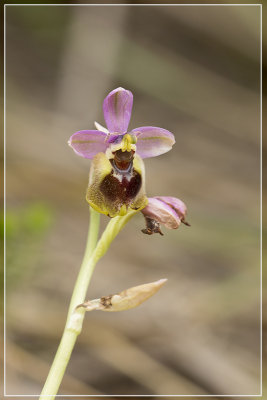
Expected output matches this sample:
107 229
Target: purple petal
117 108
88 143
176 204
162 213
152 141
115 138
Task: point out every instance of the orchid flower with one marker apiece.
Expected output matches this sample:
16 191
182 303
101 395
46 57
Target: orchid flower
117 175
117 189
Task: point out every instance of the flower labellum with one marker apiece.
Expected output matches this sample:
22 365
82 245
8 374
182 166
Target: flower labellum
117 175
129 298
168 211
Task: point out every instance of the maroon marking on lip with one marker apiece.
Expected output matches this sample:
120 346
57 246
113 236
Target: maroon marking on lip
121 192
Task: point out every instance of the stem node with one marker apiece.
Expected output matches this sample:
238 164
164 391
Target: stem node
75 322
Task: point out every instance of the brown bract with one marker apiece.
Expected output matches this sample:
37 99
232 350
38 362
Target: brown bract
125 300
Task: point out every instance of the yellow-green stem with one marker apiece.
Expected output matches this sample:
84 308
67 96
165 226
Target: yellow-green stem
75 317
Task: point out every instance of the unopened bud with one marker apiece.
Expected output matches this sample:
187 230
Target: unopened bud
125 300
177 205
168 211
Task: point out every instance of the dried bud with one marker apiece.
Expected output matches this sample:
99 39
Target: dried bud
168 211
129 298
152 226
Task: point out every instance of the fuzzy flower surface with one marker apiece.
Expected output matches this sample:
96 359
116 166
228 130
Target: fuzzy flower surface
117 174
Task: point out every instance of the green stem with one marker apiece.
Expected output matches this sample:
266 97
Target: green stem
75 316
85 273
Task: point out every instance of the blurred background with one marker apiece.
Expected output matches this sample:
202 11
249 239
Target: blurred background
196 72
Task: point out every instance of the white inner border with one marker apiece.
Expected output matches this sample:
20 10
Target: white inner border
132 5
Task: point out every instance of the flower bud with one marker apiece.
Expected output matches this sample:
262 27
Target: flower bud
168 211
125 300
177 205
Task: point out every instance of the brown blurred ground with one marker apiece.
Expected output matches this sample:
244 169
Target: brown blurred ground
194 71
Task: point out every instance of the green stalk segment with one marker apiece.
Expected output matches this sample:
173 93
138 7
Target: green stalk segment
93 252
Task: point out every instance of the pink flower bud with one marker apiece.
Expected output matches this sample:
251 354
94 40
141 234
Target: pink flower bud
168 211
177 205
